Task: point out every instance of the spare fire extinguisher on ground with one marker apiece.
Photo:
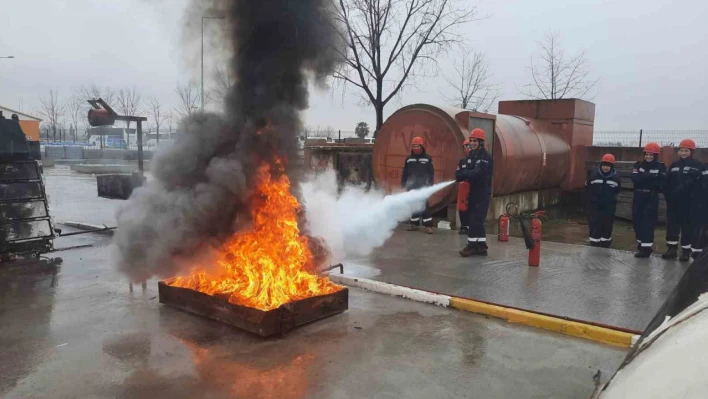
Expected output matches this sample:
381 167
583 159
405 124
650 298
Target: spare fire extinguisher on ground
535 233
505 223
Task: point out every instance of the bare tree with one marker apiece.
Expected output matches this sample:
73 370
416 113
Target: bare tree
389 42
170 120
222 85
557 75
158 115
189 99
93 91
129 102
75 107
52 111
472 84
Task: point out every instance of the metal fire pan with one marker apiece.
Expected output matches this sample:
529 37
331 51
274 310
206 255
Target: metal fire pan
264 323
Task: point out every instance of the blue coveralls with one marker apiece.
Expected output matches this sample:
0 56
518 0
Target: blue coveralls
648 179
478 172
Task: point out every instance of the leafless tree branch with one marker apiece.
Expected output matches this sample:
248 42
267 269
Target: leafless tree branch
189 99
51 111
388 43
129 102
472 84
557 75
156 112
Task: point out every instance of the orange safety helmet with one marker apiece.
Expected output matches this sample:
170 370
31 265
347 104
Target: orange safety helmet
478 134
608 158
652 148
417 140
688 143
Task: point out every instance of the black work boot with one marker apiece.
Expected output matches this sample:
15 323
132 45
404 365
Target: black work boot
606 244
639 246
463 230
594 244
644 252
685 255
695 254
481 249
670 253
471 249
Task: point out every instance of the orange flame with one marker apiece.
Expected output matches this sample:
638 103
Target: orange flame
264 267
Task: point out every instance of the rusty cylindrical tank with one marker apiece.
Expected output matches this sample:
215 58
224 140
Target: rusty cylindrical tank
442 137
526 157
100 117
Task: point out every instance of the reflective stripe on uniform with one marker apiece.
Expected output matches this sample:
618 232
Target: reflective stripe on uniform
415 219
671 242
482 239
647 244
427 220
642 170
600 181
612 183
412 160
705 172
594 239
697 249
654 171
605 239
472 239
675 169
686 246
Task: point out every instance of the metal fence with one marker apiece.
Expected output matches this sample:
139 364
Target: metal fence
638 138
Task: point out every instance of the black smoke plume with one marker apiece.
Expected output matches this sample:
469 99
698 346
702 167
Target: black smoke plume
198 195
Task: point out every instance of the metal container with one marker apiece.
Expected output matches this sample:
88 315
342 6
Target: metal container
529 154
526 157
442 137
264 323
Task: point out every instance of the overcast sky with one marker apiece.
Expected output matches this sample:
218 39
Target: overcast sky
651 56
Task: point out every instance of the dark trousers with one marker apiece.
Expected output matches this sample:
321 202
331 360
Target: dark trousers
477 214
645 212
423 217
464 218
700 227
601 218
678 223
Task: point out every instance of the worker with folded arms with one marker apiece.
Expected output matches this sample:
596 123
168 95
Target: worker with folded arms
648 177
418 172
602 186
699 213
478 173
463 190
680 181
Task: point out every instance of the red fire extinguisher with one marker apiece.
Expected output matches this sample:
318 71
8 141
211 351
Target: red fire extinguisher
503 234
463 191
535 227
504 223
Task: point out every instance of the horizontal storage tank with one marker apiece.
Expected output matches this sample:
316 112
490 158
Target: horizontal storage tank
526 156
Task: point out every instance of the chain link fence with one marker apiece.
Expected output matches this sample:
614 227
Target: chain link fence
638 138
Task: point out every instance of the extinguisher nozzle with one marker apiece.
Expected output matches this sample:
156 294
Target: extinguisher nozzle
527 235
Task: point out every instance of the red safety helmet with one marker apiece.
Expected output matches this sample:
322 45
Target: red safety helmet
608 158
417 140
688 143
465 142
478 134
652 148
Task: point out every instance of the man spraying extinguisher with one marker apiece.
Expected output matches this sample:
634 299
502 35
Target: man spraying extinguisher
419 172
463 190
478 173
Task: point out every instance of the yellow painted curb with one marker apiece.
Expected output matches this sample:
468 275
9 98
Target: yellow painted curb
574 328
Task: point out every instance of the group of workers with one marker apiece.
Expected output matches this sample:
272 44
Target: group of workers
684 186
475 169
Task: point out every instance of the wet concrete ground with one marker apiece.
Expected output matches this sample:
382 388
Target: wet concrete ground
77 332
598 285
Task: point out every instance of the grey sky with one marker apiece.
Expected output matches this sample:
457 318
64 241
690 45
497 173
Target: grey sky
651 56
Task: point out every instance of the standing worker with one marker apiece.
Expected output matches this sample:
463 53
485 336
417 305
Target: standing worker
419 172
478 172
463 189
602 185
699 213
680 181
648 178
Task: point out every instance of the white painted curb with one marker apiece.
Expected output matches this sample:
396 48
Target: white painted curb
393 290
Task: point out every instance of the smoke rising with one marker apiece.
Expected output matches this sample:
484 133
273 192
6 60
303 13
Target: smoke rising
200 190
356 221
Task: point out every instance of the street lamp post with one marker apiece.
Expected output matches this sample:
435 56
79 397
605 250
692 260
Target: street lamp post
203 18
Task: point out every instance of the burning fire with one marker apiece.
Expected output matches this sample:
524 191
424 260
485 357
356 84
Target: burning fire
264 267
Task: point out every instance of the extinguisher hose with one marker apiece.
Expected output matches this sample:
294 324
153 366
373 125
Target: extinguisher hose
527 235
